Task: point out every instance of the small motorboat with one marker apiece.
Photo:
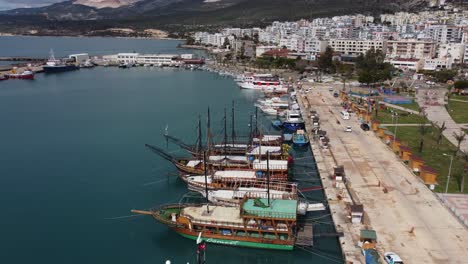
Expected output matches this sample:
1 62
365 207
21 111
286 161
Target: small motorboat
269 111
277 124
26 75
287 137
300 138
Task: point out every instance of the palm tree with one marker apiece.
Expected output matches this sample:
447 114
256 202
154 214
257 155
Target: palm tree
441 130
465 171
459 138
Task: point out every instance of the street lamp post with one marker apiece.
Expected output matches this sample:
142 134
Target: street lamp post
449 172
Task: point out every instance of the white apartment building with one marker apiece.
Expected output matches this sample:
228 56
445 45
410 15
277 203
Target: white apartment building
355 47
157 59
438 64
455 51
410 49
294 42
444 33
315 46
127 57
406 64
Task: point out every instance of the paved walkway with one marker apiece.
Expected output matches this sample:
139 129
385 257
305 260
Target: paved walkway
433 102
409 219
406 125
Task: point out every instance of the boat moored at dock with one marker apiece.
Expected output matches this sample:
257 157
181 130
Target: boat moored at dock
293 121
25 75
258 223
54 66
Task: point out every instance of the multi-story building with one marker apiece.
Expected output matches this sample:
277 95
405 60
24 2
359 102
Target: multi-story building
444 33
315 46
455 51
438 64
355 47
410 49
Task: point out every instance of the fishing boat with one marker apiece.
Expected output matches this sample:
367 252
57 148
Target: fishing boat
300 138
53 65
255 222
293 121
26 75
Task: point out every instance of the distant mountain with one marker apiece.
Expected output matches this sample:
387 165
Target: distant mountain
105 3
161 13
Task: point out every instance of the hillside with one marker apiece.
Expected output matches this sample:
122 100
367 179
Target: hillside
168 13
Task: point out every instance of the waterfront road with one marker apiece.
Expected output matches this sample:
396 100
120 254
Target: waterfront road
408 217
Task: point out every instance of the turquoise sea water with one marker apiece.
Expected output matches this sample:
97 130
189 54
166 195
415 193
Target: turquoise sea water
73 162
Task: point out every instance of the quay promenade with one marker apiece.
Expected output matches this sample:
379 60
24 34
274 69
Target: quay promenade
408 217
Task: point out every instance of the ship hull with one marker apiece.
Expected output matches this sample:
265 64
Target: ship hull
55 69
234 241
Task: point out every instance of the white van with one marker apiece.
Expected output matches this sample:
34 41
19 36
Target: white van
344 115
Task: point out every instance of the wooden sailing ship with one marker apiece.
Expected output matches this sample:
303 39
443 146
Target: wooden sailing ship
256 222
195 166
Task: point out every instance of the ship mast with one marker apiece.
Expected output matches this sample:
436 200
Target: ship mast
208 132
225 134
250 133
268 177
233 132
200 143
256 121
206 182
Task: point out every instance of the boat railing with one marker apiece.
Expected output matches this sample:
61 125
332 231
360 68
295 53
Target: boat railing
268 214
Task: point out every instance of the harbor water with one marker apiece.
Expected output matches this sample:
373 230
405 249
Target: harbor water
73 162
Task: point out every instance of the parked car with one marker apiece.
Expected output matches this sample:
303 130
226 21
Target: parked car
335 94
348 129
365 127
392 258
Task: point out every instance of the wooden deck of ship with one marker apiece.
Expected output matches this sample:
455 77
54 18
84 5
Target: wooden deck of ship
305 236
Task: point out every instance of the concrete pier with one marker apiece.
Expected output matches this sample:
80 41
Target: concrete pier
409 218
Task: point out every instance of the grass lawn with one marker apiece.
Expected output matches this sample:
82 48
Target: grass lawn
413 106
433 156
385 116
458 110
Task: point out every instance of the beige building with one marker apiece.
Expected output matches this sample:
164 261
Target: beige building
354 46
410 49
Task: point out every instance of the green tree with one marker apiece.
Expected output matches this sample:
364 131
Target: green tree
325 61
190 40
226 43
461 84
371 67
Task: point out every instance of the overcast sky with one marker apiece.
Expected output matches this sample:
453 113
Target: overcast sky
11 4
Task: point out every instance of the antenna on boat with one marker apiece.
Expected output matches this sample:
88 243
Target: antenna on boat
206 181
208 132
268 177
225 134
233 132
201 247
